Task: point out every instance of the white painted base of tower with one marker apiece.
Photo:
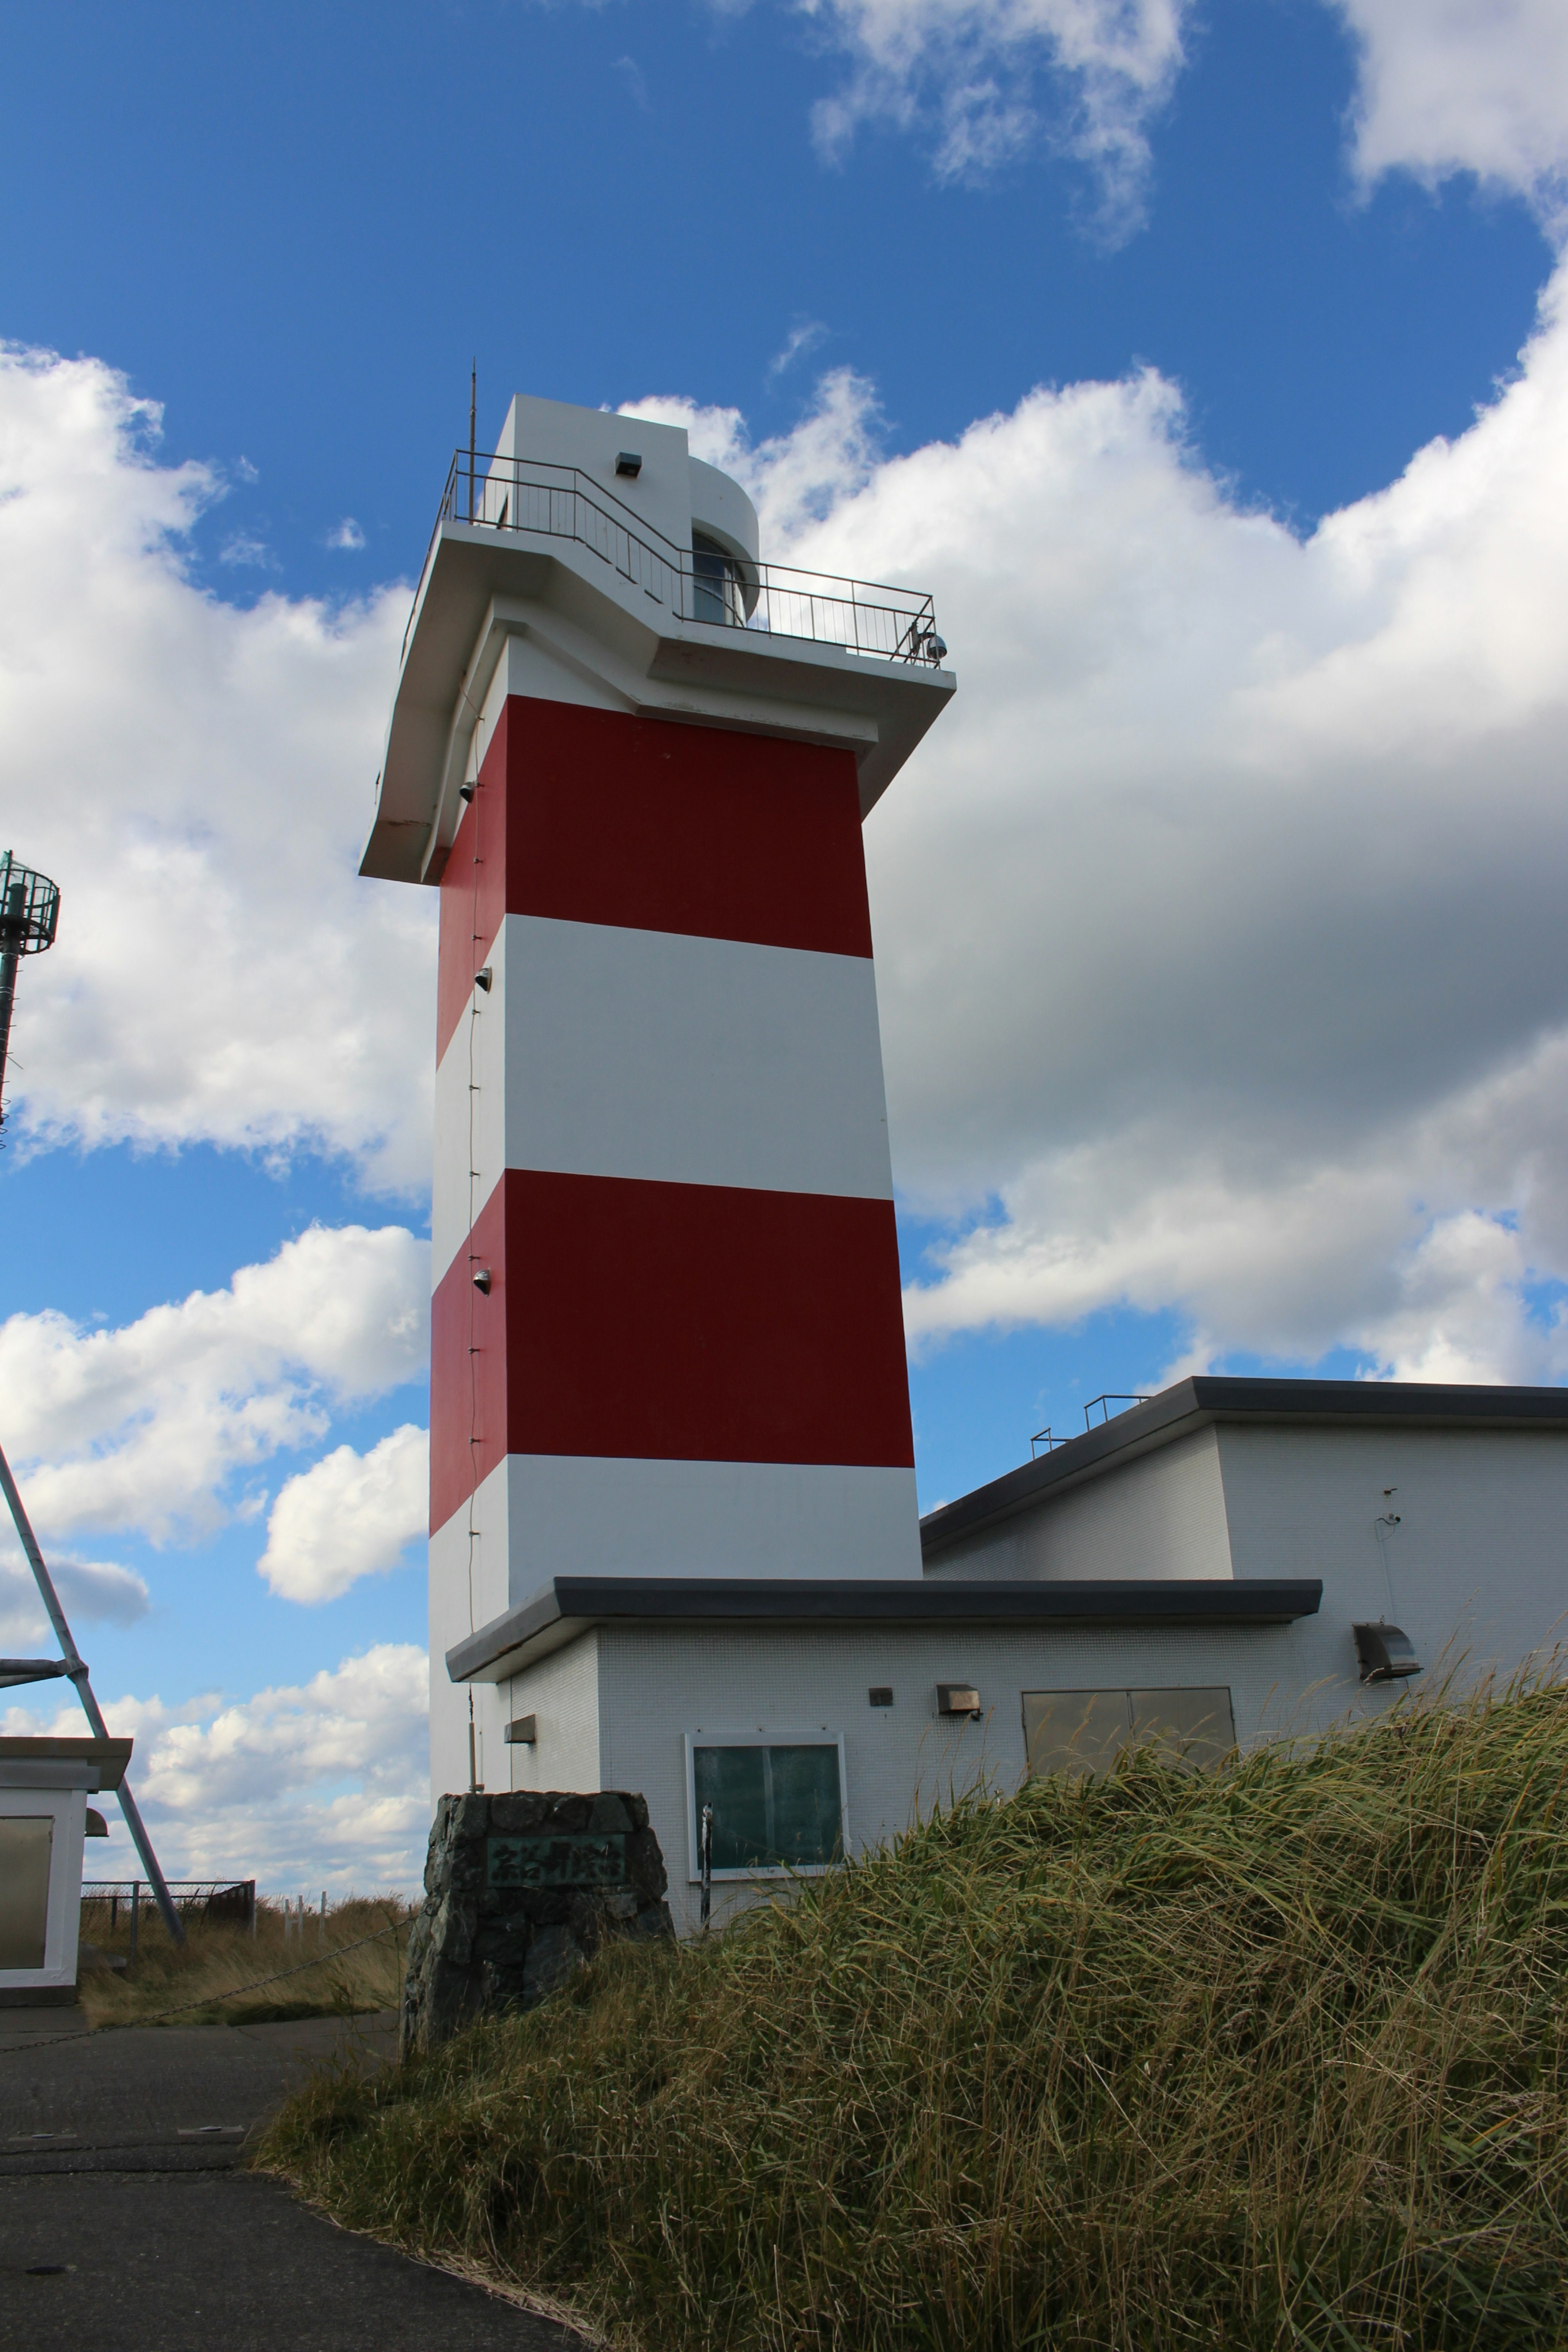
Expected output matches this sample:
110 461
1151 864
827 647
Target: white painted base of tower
540 1516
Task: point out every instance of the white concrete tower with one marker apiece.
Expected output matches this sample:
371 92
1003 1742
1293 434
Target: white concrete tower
667 1338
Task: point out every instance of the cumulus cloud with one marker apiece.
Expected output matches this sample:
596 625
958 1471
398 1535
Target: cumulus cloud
198 779
346 535
322 1783
980 79
91 1591
1475 86
350 1515
151 1425
1218 923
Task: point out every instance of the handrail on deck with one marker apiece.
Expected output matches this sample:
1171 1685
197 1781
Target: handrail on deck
548 502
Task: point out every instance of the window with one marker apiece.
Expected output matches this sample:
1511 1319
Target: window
26 1842
715 583
777 1800
1087 1730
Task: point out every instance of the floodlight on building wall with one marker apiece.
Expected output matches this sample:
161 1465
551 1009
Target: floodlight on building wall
1384 1652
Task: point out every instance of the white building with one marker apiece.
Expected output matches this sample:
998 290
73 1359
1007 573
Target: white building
1194 1568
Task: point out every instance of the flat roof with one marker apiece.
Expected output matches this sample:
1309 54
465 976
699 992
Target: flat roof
1197 1403
570 1605
110 1756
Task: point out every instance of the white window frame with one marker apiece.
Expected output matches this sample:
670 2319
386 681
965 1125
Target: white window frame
691 1741
62 1926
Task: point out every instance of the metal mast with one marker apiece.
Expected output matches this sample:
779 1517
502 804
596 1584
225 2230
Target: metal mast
30 912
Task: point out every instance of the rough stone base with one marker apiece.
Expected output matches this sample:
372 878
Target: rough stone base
520 1890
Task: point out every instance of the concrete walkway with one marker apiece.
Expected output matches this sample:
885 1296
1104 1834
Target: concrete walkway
126 2225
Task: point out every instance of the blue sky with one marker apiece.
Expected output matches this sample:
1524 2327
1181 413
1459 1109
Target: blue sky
1220 1020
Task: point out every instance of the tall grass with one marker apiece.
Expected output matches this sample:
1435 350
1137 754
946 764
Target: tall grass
1271 2057
221 1964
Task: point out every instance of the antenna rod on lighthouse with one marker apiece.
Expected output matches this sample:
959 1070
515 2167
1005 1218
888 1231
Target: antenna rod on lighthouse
473 413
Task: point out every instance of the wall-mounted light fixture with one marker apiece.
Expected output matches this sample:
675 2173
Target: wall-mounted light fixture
1384 1652
482 1279
522 1731
958 1698
464 791
485 980
628 463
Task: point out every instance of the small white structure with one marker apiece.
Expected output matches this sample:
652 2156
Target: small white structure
44 1817
1194 1571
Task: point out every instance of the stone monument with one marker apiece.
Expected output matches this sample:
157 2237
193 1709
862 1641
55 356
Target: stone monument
520 1890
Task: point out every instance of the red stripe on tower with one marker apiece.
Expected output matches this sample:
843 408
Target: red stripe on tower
594 816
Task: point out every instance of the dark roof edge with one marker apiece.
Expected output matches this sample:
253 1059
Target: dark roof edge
572 1604
1199 1402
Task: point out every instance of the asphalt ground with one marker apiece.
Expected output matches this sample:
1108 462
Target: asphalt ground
127 2223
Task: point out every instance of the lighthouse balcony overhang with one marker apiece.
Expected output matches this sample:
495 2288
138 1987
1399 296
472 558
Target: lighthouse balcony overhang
708 634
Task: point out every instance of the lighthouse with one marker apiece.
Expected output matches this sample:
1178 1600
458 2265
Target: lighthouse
633 758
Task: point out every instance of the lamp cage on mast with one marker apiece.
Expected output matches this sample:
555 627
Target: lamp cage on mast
30 913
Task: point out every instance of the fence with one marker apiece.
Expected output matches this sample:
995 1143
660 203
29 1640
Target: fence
547 501
214 1898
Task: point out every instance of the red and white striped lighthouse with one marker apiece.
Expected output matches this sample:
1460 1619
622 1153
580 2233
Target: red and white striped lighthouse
667 1338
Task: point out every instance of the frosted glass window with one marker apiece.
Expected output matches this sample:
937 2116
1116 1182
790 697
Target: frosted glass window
1194 1727
1079 1731
773 1808
24 1845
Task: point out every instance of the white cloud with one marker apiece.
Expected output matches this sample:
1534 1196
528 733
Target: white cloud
1475 86
199 780
350 1515
242 549
91 1591
324 1783
346 535
801 339
967 75
149 1426
1218 922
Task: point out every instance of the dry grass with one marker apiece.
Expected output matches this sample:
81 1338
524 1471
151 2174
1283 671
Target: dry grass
1275 2057
220 1964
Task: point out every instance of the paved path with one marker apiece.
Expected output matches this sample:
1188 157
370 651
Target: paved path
126 2226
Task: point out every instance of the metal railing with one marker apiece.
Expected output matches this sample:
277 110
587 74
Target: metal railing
1047 1437
549 502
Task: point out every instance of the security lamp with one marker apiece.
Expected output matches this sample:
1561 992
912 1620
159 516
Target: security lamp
936 648
464 791
484 979
482 1279
628 463
1384 1652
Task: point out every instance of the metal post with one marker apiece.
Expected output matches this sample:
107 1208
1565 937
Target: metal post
705 1861
135 1913
77 1669
473 412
